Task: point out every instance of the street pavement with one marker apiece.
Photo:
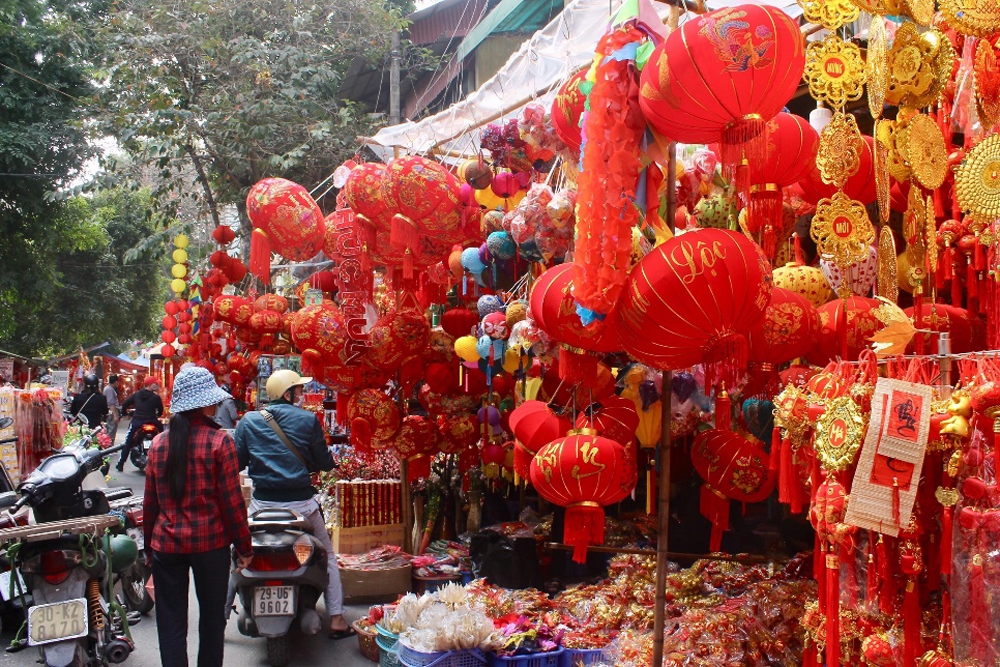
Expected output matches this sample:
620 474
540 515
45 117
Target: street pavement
306 651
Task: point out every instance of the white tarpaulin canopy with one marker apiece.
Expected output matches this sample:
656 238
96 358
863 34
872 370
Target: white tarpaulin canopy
532 74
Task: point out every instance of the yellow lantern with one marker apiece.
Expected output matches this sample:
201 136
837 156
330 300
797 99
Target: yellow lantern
181 241
465 348
180 256
177 285
650 425
178 270
511 359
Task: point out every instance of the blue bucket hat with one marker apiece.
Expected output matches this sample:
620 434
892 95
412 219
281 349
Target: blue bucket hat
195 388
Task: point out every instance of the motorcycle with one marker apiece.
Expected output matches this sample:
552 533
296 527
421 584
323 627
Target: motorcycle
283 581
10 602
133 581
68 561
143 440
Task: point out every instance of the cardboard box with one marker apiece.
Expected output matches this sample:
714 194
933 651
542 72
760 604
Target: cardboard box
374 585
361 539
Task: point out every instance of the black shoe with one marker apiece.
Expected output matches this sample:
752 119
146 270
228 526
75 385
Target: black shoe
120 468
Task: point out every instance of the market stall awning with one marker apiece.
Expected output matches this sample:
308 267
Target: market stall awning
124 364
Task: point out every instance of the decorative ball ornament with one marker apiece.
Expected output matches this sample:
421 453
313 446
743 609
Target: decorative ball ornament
177 286
495 326
395 338
180 255
273 302
716 212
266 322
363 192
689 300
722 76
788 329
477 173
373 417
567 107
233 310
323 328
459 322
977 181
580 472
501 245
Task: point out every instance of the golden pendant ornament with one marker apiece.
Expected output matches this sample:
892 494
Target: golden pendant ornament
887 283
893 134
870 6
913 220
842 230
979 18
882 185
877 66
835 71
987 83
977 181
839 433
926 153
916 63
930 235
921 11
839 154
831 14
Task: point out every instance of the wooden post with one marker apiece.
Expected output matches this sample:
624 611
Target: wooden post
406 498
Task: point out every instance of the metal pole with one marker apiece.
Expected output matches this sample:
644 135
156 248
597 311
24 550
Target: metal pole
394 115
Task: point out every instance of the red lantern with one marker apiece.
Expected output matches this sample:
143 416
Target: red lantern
273 302
363 192
843 332
458 433
534 425
395 338
733 466
233 310
613 417
690 300
266 322
788 330
167 351
286 220
567 108
170 308
860 186
169 322
442 378
223 235
324 281
721 77
420 192
168 336
581 472
941 317
323 328
373 417
459 322
415 443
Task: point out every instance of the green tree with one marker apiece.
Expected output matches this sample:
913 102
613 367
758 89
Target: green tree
239 90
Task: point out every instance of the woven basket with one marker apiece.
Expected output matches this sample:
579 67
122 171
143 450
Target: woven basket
366 641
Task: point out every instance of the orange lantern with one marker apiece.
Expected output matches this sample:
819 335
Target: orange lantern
733 466
690 301
233 310
373 418
581 472
721 77
567 108
846 328
286 220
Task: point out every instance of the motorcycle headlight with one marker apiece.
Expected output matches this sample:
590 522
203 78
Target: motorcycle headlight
303 548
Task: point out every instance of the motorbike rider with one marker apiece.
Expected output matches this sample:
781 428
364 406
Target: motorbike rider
148 408
281 480
90 403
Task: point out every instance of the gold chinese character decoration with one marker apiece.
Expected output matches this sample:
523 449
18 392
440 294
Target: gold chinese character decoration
842 230
831 14
977 181
839 154
919 67
835 71
839 433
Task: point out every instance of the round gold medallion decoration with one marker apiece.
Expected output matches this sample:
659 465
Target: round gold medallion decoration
887 284
877 66
977 181
840 143
835 71
831 14
926 153
980 18
921 11
894 134
842 230
839 433
916 62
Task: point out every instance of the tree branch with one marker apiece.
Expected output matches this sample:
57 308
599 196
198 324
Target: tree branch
203 179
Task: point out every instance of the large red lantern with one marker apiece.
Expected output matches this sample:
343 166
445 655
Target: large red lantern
860 186
415 443
941 317
722 76
581 472
420 193
613 417
567 108
286 220
373 418
395 338
692 298
533 425
460 322
266 322
363 192
788 330
733 466
458 432
846 328
233 310
323 328
274 302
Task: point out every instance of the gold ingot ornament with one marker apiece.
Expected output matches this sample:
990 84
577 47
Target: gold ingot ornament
835 71
977 181
842 230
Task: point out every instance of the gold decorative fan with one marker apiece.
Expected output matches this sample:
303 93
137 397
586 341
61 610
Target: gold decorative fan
977 181
842 230
925 152
980 18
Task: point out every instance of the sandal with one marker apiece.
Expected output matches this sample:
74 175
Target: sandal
342 634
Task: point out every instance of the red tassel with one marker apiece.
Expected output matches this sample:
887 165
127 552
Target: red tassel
766 209
996 444
774 463
584 527
912 642
971 282
723 411
980 255
744 144
871 579
956 284
576 366
715 508
403 233
741 181
786 472
946 537
980 618
800 256
886 596
260 256
832 609
895 502
408 264
842 328
342 400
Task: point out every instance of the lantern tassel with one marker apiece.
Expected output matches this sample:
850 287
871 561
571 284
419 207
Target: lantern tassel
723 411
832 609
766 209
584 527
403 233
743 141
946 536
715 507
774 462
576 366
260 256
911 623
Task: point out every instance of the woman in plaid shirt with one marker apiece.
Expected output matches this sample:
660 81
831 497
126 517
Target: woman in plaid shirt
193 512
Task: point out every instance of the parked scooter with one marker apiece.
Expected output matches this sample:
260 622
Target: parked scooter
283 582
133 580
68 561
139 456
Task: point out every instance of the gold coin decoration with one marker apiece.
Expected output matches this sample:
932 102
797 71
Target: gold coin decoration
882 185
922 11
877 66
916 61
835 71
926 153
842 230
979 18
887 284
987 83
831 14
839 154
977 181
839 433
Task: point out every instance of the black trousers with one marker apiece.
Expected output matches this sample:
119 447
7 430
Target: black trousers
211 577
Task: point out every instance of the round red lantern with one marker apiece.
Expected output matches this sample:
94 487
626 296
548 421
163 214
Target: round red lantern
534 425
581 472
459 321
690 300
567 108
286 220
722 76
733 466
233 310
845 331
413 189
395 338
942 317
169 322
363 191
171 308
266 322
372 416
458 432
788 330
168 336
223 235
613 417
323 328
167 351
273 302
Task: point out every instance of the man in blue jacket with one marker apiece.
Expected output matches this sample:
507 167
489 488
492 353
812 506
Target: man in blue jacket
279 477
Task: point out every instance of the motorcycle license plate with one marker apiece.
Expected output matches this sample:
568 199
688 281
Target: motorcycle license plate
137 536
57 621
274 601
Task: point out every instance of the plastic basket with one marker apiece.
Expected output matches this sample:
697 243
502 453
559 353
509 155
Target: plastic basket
410 658
549 659
366 642
386 658
386 642
581 657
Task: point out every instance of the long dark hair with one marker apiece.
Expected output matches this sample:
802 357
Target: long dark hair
178 434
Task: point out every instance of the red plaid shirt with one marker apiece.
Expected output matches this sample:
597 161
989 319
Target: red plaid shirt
211 514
